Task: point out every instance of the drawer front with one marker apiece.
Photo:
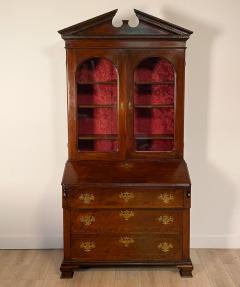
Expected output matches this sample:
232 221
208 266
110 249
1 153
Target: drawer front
126 247
125 220
125 198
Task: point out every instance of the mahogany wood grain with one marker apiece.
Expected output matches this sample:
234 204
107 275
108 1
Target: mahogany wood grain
126 220
111 198
145 184
171 173
143 247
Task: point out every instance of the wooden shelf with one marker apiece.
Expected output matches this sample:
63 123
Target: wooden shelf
91 106
98 83
162 137
155 83
155 106
97 137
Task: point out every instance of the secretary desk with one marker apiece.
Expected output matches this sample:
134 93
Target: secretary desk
126 190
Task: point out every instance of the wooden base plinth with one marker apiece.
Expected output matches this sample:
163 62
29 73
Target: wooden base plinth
68 267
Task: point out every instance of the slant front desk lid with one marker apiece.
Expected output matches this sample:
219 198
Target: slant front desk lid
133 173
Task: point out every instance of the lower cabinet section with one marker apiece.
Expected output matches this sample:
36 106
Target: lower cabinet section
124 225
136 247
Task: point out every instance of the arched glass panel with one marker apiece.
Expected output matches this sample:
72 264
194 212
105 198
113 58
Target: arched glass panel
97 98
154 92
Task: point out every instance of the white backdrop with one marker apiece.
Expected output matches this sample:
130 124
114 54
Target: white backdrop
33 121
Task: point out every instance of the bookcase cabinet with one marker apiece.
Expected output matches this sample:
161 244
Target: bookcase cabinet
126 187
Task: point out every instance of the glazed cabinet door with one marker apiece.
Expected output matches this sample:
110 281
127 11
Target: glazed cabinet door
96 104
155 103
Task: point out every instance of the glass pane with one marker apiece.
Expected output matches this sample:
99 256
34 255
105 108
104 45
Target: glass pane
96 70
152 121
97 98
154 94
97 94
154 145
154 70
97 145
97 121
154 91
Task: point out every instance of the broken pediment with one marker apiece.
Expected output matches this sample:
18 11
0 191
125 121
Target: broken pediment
102 27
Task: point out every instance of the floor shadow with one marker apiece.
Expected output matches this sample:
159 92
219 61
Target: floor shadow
213 194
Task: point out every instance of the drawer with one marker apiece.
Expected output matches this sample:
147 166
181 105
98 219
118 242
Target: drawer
126 247
125 198
126 220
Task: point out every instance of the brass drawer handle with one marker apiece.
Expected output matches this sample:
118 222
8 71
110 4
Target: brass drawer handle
87 246
86 197
126 214
126 241
166 198
165 219
87 219
165 246
126 196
